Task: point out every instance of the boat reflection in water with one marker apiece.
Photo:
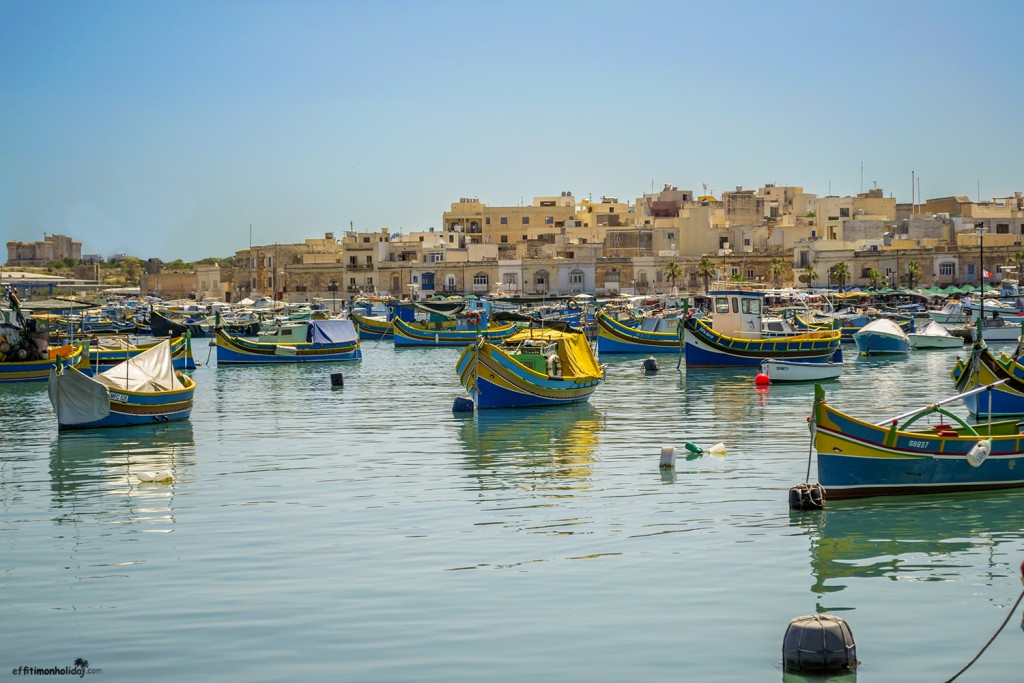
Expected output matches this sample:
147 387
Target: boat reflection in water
536 445
97 472
904 538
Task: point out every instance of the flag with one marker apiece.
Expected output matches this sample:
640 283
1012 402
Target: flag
986 273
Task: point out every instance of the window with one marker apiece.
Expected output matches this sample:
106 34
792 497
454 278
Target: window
510 279
254 262
487 221
352 260
504 220
366 240
480 280
270 282
752 306
504 239
671 236
576 277
721 304
970 270
750 274
526 220
369 260
946 269
844 212
1002 228
549 220
254 283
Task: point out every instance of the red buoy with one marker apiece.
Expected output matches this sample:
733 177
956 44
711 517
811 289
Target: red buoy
762 379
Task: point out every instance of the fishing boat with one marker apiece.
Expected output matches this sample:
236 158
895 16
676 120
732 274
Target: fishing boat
26 354
535 367
881 336
983 369
734 336
13 369
106 352
143 390
934 336
458 332
910 454
638 335
374 327
800 371
326 340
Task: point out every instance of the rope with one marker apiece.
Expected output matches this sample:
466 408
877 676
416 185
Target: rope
994 636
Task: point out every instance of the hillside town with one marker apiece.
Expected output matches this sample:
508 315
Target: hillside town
563 245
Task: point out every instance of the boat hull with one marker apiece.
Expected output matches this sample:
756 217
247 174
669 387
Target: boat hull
707 348
496 380
237 351
408 334
372 328
797 371
873 343
858 459
981 369
38 370
614 336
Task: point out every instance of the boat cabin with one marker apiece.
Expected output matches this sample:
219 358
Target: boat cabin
737 313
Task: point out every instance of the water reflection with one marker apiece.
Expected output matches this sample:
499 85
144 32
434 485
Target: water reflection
96 472
555 443
904 538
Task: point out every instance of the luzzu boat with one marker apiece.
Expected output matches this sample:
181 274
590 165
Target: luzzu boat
372 327
105 353
640 336
16 370
898 457
534 367
143 390
326 340
983 369
733 336
454 333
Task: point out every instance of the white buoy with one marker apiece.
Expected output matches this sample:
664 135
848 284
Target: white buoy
979 452
668 456
158 475
718 449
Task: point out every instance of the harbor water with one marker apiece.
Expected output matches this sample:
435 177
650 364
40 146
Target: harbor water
364 532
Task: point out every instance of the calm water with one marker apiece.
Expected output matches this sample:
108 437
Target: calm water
366 533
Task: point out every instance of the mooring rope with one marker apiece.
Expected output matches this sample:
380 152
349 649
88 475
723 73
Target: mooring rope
990 640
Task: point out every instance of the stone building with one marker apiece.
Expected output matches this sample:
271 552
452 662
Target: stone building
38 254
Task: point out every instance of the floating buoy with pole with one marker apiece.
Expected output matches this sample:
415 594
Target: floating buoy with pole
808 496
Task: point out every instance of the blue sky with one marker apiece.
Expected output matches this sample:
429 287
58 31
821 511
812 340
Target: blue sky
167 128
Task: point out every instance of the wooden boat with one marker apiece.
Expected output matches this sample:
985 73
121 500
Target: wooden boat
162 326
455 333
143 390
733 337
38 370
326 340
372 327
800 371
849 323
898 457
881 336
534 367
644 335
934 336
106 352
983 369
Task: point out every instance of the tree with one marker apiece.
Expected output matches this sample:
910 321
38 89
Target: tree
875 278
736 277
913 274
132 268
776 268
810 275
840 273
705 271
672 272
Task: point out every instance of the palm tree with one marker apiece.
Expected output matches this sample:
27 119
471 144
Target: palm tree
705 271
736 277
809 275
672 272
776 268
913 274
875 278
840 273
1017 261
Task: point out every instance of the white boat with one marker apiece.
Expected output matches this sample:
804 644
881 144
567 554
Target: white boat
934 336
881 336
800 371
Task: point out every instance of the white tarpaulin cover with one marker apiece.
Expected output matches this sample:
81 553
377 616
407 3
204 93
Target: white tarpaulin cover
150 371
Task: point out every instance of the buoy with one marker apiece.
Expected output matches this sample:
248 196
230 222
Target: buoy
159 475
651 364
462 405
337 379
717 449
668 456
693 448
807 497
979 452
762 379
819 643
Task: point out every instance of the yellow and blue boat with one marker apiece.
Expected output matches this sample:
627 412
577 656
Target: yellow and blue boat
143 390
905 455
458 332
326 340
641 335
534 367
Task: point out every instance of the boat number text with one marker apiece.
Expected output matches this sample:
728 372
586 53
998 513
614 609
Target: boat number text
120 398
914 443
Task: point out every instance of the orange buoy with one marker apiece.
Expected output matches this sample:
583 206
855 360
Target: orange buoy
762 379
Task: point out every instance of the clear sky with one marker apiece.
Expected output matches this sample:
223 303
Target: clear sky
166 129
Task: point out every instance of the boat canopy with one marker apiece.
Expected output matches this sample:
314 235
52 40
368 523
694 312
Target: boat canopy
331 331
